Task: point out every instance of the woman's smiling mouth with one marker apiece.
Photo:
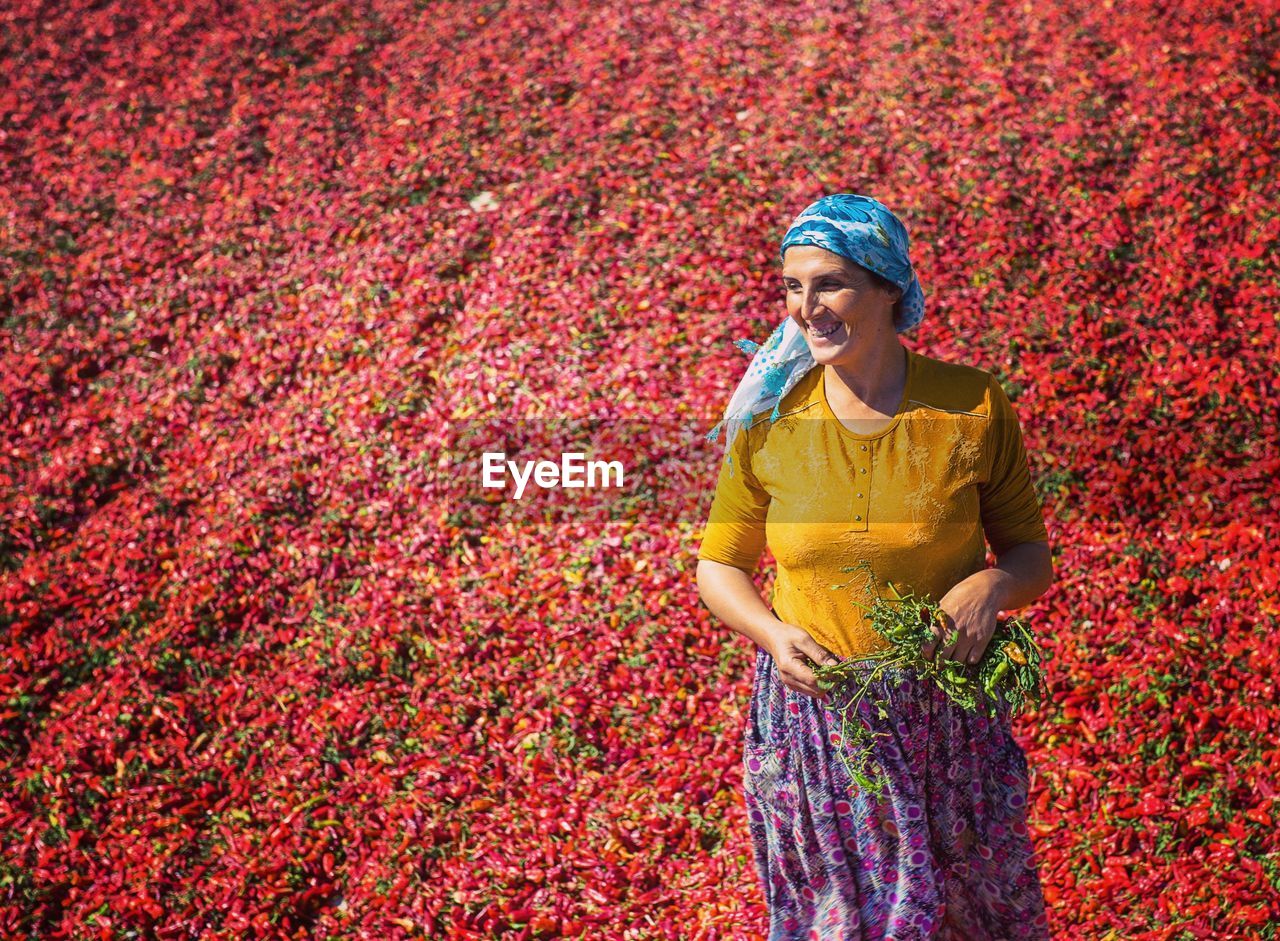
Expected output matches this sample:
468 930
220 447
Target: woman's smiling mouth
825 331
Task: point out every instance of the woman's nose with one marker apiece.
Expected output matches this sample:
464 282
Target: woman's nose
810 303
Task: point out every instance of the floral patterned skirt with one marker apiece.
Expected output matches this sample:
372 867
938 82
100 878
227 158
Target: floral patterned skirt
945 852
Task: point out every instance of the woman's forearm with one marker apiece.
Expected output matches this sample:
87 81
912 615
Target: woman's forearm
1021 575
731 595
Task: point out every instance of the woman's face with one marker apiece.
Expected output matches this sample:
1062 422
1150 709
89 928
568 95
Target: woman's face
834 302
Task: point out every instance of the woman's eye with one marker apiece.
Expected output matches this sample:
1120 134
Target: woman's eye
822 289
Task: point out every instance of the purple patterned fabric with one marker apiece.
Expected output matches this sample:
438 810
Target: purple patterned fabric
945 854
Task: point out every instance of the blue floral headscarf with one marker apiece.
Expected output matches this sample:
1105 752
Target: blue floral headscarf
856 227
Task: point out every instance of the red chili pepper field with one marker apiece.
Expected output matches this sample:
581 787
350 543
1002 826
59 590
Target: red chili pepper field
275 665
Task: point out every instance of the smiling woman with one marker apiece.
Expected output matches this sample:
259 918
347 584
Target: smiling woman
874 453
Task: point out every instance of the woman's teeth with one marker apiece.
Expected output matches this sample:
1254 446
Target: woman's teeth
825 330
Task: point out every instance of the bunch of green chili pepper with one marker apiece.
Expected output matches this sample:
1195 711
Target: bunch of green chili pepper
1009 670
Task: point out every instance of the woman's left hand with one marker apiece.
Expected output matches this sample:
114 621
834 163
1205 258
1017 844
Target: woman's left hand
971 608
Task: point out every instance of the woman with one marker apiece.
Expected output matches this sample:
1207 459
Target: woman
911 461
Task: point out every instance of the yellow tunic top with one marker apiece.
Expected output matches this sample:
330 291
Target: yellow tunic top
914 498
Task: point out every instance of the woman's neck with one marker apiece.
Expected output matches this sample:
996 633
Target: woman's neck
874 385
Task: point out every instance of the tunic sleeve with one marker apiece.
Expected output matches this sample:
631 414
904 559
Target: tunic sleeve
1010 507
735 530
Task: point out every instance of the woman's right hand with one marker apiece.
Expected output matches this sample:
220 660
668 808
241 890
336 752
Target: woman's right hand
795 653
